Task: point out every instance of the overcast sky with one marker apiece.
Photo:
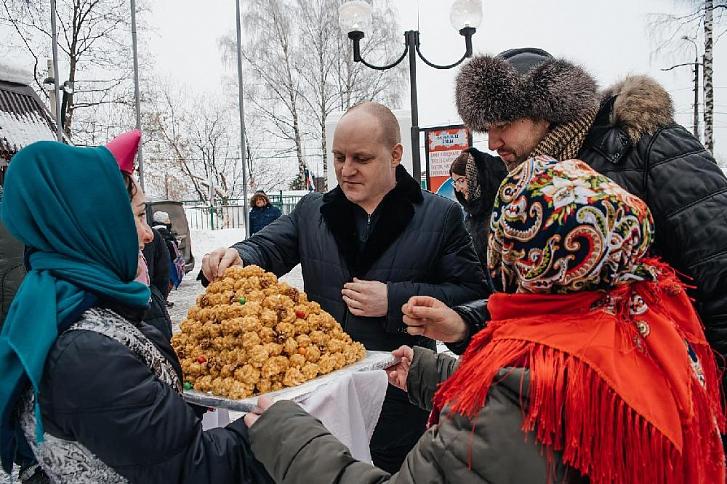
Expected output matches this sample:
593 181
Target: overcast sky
610 39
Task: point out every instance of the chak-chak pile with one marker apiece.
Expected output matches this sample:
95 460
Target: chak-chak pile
251 334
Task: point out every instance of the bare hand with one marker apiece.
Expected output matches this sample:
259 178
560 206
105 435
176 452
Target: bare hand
263 403
366 298
426 316
215 263
399 372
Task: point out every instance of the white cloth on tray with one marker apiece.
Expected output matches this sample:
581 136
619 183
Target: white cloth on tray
215 417
349 407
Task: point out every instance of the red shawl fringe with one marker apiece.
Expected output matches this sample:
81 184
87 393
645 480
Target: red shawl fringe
572 410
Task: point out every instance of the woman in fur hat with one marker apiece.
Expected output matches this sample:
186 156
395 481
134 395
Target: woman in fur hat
476 177
262 212
594 367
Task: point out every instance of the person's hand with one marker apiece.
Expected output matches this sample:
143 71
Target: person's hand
263 403
366 298
399 372
426 316
215 263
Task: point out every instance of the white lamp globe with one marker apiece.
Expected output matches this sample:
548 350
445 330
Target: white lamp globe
354 16
466 13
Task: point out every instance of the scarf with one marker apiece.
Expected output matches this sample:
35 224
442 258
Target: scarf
474 191
622 380
51 203
564 141
562 227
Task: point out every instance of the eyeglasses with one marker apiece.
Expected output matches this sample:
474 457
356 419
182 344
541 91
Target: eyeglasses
460 181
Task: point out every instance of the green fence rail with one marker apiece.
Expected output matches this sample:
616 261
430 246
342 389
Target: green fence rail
230 213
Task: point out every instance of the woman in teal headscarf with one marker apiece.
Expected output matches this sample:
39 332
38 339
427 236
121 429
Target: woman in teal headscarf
94 390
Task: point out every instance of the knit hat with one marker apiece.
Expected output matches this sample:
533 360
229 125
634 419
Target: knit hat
523 83
124 148
162 217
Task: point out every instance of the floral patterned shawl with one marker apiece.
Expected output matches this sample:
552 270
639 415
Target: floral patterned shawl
622 381
561 227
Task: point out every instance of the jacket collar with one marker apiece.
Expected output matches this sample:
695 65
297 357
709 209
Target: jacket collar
396 211
609 140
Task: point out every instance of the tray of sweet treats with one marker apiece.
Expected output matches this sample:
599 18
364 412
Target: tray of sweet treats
250 335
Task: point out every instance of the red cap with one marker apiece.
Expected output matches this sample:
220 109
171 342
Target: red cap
124 148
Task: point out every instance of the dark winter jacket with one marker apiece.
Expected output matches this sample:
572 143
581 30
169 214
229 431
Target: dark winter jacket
636 143
157 260
260 217
98 393
167 236
12 269
157 315
490 448
490 173
418 246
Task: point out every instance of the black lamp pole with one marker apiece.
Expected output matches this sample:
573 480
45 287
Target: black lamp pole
411 47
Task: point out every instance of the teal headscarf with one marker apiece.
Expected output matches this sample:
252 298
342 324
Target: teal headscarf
70 207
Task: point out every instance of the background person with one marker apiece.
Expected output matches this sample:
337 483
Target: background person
476 177
262 212
163 224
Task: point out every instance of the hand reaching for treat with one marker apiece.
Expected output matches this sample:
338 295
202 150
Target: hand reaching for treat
215 263
430 317
399 372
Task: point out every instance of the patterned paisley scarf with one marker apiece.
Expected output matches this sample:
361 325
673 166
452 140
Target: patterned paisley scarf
622 381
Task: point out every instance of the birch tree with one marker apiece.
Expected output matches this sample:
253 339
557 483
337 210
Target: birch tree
93 42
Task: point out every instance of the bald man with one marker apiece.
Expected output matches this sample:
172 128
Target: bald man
365 248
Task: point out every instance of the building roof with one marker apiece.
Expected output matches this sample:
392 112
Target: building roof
23 117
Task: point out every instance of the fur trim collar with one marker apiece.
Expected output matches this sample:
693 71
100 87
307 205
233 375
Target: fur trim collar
396 211
641 106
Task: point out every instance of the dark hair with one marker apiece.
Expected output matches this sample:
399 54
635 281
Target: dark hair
259 195
459 165
130 185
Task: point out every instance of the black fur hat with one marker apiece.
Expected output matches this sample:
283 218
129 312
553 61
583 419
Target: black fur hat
522 83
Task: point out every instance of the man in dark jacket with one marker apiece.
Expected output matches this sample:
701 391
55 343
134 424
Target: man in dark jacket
531 104
365 248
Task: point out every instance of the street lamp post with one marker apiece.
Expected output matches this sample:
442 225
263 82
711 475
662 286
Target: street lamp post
56 73
695 65
465 17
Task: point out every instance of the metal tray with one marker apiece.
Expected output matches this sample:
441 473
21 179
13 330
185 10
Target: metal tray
374 360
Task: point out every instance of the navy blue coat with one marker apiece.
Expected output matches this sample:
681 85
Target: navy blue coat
262 216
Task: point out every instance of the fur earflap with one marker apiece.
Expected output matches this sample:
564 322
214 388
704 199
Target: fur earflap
641 107
489 90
